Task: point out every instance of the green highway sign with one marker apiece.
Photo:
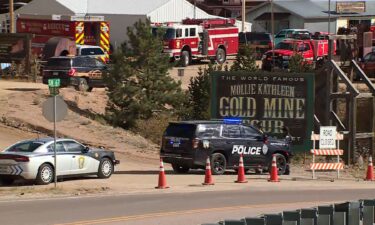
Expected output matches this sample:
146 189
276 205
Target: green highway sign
54 82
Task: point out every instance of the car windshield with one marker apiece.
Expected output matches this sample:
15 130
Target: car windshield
58 62
92 51
286 46
168 33
26 146
258 36
181 130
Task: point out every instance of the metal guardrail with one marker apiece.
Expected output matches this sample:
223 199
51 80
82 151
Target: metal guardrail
361 212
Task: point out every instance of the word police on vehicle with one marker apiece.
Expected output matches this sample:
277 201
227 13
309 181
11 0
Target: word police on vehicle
187 144
242 149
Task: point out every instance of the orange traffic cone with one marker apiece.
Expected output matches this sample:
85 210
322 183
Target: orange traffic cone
370 170
274 177
162 179
241 172
208 176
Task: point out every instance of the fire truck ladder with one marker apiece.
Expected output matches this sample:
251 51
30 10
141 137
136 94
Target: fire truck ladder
340 90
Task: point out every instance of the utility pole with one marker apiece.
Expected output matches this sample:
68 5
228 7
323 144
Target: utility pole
11 17
329 17
273 36
243 14
195 9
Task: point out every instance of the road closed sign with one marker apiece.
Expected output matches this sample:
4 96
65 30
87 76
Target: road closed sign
327 137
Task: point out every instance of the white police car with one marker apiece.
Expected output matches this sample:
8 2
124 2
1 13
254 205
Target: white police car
34 160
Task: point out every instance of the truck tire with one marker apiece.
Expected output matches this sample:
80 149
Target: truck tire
185 58
220 56
218 164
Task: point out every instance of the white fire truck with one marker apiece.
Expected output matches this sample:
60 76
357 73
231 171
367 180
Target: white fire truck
196 39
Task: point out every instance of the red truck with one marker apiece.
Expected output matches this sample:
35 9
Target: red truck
83 30
196 39
372 29
311 50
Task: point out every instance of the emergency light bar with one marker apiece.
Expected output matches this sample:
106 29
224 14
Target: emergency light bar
232 121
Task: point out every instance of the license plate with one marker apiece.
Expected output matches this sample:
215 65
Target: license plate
176 145
4 169
55 73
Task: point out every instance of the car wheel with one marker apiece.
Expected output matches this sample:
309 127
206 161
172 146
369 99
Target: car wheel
105 168
218 164
280 163
45 174
220 56
179 168
185 58
6 181
83 85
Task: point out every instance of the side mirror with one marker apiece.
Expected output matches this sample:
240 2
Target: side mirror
85 149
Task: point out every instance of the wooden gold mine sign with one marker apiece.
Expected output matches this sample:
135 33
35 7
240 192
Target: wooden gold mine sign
274 100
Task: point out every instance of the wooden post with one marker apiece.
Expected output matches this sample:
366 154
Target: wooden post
338 157
28 54
352 128
243 14
313 161
11 17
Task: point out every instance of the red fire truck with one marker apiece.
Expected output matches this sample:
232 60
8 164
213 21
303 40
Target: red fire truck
88 30
310 50
196 39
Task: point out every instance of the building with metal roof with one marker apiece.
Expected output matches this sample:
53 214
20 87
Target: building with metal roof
311 14
119 13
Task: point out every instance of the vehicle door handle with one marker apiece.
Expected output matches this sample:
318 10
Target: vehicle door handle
73 156
228 142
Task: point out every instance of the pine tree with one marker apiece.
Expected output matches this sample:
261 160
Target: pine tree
138 83
197 106
245 60
298 65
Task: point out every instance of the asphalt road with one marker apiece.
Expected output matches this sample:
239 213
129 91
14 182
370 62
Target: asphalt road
168 208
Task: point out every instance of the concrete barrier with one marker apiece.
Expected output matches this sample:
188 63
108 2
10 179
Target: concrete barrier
368 212
347 213
291 218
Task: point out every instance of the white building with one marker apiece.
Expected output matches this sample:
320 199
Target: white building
309 14
120 13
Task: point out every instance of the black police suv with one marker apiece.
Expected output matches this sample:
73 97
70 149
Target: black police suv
82 72
187 144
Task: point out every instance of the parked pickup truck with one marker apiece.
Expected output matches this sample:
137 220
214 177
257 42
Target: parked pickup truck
311 51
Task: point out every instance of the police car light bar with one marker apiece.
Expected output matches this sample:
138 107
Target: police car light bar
232 121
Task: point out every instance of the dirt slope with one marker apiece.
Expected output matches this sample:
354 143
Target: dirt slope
21 106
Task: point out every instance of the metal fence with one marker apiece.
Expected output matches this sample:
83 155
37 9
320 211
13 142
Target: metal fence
347 213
